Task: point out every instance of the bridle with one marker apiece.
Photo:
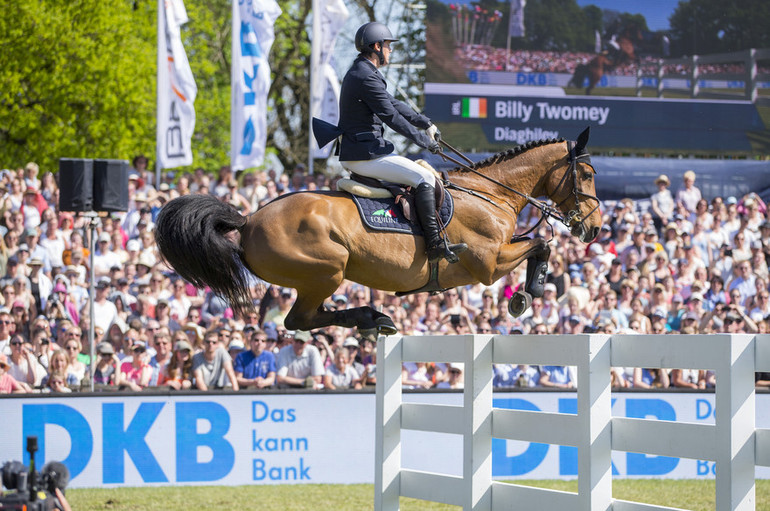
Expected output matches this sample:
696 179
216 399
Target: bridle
569 219
573 216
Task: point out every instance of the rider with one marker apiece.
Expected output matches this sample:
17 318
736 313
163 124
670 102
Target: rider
365 104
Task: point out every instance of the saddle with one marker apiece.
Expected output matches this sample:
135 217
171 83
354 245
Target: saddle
371 188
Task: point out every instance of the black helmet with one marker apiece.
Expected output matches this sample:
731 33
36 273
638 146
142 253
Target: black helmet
370 33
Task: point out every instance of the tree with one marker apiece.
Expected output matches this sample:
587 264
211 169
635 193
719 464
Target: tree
700 27
70 87
78 78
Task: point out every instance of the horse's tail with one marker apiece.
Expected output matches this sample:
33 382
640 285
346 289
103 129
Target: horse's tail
192 235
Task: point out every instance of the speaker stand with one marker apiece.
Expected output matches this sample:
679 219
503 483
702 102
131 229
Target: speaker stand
93 220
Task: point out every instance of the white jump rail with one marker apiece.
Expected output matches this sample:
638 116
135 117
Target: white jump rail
732 442
750 76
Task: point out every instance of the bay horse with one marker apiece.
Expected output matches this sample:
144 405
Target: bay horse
608 60
311 241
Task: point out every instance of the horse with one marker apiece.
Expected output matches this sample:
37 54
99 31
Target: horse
312 241
607 60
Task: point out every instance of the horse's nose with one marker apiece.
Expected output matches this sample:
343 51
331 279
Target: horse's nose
593 233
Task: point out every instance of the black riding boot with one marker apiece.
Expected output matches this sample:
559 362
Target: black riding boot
425 200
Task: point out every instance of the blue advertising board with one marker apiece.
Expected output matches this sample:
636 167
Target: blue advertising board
237 439
641 123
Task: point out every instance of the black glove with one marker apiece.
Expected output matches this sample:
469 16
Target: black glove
435 148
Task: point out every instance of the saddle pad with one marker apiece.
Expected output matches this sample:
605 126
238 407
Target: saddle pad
384 215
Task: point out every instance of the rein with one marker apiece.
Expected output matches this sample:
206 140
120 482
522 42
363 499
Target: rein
569 219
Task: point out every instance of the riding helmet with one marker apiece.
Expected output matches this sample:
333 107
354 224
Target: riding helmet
370 33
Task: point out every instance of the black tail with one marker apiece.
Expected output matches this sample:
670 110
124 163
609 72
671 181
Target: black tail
191 233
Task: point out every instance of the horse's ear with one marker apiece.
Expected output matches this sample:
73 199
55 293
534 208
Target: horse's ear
582 140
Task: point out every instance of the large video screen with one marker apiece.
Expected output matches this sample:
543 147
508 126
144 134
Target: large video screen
504 73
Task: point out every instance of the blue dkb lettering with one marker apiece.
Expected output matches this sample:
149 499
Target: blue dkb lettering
130 440
34 420
188 440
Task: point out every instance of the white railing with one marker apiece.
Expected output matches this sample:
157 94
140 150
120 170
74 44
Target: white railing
732 442
661 81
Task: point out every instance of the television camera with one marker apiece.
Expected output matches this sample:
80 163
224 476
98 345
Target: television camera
27 489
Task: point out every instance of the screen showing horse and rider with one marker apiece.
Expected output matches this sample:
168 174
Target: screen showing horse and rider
555 58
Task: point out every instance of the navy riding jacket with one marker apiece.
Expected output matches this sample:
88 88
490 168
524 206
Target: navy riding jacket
365 104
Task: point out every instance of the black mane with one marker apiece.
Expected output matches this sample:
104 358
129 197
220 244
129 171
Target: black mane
510 153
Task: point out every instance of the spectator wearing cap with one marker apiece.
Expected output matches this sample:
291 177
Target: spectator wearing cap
105 312
689 194
340 301
299 364
106 371
662 202
177 374
690 323
758 262
135 374
658 321
213 367
104 257
278 313
615 275
31 238
353 346
40 285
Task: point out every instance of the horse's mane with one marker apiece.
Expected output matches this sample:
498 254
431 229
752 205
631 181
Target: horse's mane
510 153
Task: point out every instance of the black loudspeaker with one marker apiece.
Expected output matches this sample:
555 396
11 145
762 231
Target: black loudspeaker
76 178
110 185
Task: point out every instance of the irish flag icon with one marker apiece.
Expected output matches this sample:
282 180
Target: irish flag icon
475 108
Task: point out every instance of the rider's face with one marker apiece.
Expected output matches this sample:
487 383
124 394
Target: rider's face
386 51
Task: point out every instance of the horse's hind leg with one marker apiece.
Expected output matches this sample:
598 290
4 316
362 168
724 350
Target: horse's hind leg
308 313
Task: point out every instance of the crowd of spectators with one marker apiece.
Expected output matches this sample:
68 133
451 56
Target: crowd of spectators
489 58
684 265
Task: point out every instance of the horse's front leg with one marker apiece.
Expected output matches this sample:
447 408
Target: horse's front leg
536 252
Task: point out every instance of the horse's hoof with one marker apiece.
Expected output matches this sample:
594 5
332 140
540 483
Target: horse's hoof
385 326
519 302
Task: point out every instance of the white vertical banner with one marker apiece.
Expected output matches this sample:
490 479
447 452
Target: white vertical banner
176 90
329 17
516 25
253 35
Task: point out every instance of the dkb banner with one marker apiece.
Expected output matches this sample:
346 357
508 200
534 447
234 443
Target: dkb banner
237 439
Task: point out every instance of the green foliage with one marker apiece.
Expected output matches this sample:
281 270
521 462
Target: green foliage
77 80
701 27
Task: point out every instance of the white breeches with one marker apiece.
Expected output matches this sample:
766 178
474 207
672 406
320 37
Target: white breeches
393 168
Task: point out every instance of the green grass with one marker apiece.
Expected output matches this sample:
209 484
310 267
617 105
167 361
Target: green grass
697 495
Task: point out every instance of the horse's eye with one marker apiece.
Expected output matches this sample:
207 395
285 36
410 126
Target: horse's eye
588 176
